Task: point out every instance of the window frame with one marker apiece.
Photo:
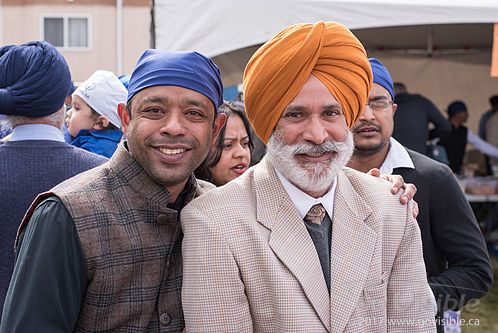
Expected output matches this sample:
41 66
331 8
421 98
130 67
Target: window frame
65 30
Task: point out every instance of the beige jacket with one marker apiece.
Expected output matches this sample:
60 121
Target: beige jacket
250 264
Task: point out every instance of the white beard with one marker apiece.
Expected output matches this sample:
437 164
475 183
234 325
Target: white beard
314 177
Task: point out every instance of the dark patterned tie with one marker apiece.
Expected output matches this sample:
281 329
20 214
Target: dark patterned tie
315 214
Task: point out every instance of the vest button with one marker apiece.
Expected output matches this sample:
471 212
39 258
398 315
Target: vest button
162 218
165 319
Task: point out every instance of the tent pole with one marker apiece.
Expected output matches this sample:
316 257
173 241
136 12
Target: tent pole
119 37
430 42
152 25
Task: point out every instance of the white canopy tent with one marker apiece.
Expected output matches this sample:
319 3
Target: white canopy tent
214 27
441 48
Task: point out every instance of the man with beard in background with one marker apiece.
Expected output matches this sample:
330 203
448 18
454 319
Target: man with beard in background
299 242
455 254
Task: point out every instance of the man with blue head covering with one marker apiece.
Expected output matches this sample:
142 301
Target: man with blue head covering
34 82
456 141
455 255
102 251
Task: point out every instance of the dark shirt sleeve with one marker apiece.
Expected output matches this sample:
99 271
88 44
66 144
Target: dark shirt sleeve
442 126
469 274
49 279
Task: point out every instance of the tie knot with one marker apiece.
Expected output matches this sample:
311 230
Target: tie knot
315 214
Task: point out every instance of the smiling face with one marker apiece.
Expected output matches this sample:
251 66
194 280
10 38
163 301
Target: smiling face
375 126
170 132
79 117
311 142
235 154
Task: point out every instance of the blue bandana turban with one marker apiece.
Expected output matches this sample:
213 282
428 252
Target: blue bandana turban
125 79
455 107
381 76
34 80
189 70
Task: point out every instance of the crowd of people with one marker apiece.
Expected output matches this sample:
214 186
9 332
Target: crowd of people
152 205
418 125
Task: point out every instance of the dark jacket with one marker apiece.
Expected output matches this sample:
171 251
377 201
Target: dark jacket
412 119
456 259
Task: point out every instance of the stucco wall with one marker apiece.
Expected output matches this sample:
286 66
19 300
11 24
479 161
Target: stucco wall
21 24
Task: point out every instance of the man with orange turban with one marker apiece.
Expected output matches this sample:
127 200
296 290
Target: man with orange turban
299 243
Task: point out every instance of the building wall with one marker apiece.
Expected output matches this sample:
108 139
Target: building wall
22 22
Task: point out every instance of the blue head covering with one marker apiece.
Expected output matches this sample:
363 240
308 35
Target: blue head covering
455 107
189 70
72 88
381 76
34 80
125 79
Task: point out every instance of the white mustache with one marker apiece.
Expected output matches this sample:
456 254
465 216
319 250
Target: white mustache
309 176
325 147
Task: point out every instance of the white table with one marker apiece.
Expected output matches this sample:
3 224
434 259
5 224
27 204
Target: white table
482 197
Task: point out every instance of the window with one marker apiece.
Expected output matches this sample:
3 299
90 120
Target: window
66 31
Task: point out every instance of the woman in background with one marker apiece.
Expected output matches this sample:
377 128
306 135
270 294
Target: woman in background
230 155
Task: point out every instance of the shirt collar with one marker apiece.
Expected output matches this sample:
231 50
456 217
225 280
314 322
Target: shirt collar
185 196
303 201
36 132
397 157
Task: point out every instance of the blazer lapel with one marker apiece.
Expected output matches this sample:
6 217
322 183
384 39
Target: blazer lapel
352 248
289 238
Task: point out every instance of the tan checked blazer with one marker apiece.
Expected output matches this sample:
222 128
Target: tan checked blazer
251 266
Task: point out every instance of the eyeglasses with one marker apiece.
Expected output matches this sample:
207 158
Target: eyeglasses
379 104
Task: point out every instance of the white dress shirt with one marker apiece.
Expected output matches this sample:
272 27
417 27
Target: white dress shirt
397 157
481 145
303 201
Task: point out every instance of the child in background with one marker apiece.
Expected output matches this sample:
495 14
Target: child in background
93 120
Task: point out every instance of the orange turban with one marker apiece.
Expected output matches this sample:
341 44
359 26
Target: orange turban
278 70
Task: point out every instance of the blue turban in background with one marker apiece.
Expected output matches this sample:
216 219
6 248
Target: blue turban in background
34 80
455 107
125 79
381 76
189 70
